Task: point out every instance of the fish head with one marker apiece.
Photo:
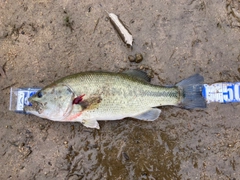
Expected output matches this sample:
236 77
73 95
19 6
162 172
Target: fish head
53 102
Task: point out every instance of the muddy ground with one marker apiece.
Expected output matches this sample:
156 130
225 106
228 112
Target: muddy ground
42 41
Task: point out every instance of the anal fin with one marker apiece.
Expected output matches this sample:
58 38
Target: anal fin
91 123
149 115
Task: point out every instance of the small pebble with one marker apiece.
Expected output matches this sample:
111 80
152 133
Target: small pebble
151 74
125 156
131 58
66 144
24 150
41 127
138 57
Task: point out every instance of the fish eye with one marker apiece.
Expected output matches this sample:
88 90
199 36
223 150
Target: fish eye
39 94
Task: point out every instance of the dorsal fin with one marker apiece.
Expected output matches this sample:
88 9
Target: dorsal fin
138 74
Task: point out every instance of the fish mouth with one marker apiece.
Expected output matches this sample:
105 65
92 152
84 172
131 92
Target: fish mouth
34 107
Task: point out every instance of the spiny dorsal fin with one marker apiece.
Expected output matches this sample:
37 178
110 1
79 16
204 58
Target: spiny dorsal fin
138 74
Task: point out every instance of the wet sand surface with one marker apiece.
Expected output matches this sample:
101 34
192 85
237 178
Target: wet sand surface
42 41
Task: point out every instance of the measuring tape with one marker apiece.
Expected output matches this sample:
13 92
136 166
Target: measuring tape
19 98
222 92
218 92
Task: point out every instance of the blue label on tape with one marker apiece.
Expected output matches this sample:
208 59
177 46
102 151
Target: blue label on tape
222 92
22 97
231 93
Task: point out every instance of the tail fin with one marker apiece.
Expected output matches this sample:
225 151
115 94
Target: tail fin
192 92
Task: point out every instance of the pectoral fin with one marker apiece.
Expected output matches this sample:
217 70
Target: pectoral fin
90 103
91 123
149 115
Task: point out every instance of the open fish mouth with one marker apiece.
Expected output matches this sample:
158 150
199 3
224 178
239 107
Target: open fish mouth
34 107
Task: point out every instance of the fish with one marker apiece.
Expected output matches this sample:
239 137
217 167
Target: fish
89 97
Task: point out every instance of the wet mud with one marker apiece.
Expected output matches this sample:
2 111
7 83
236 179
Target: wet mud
42 41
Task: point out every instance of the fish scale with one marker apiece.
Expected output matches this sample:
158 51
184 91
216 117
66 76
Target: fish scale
129 86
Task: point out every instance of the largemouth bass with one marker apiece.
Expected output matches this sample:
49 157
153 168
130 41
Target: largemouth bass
91 96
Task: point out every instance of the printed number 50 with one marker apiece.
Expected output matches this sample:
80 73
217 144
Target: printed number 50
232 93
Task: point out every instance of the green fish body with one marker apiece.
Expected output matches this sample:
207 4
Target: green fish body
91 96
